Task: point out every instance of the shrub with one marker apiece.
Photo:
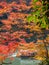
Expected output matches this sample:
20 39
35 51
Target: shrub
38 14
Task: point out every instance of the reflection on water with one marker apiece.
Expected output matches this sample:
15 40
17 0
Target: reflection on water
30 62
19 61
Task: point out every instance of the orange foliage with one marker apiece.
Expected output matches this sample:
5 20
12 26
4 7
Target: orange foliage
9 40
38 3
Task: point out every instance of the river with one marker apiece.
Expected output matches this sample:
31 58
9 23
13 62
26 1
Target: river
19 61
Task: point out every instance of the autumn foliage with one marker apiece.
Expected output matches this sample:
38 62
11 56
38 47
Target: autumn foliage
16 34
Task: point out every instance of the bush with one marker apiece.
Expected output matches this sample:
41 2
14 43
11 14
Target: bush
38 14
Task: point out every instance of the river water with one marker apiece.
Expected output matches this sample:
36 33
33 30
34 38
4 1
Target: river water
19 61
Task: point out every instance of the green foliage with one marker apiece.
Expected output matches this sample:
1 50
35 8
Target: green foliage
29 18
38 16
35 1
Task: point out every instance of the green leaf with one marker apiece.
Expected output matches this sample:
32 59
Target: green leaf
34 18
42 2
43 25
36 1
29 18
46 20
38 13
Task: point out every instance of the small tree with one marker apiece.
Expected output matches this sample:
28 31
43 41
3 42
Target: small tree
40 18
38 14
